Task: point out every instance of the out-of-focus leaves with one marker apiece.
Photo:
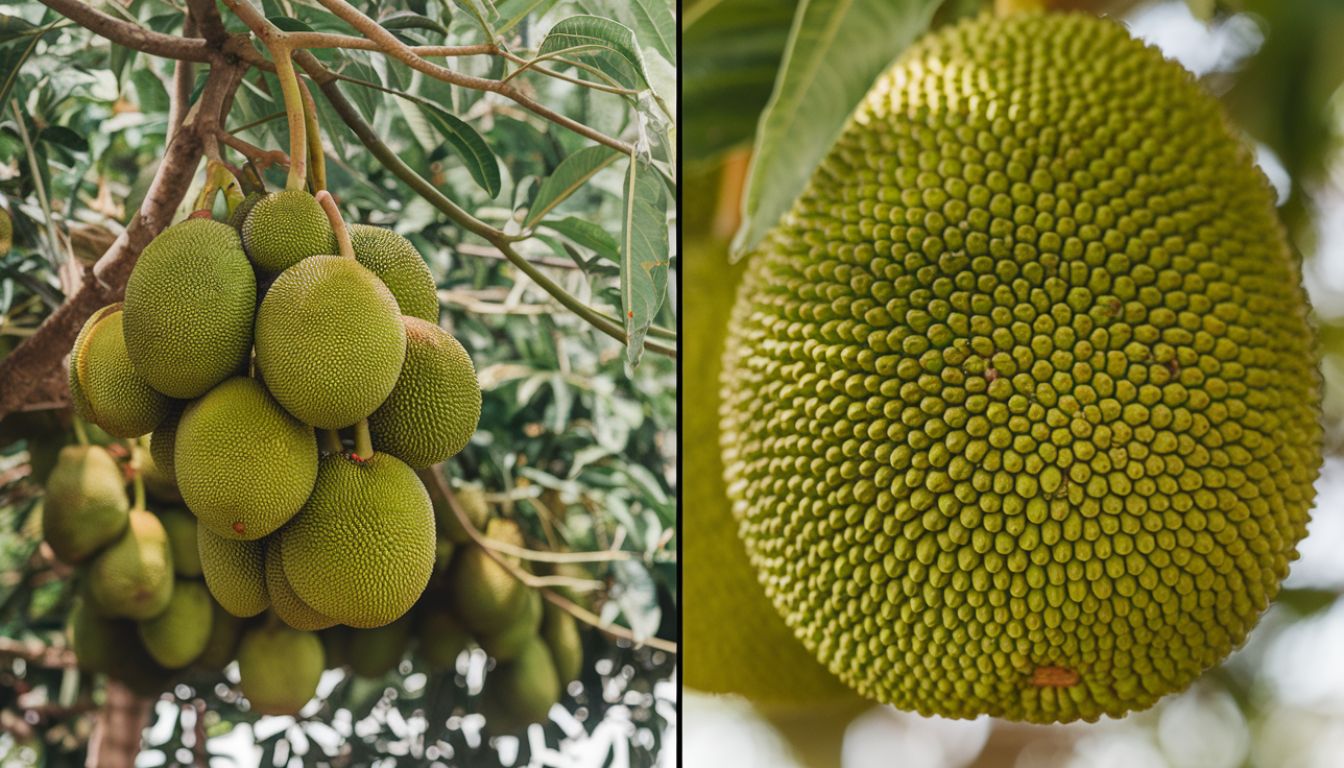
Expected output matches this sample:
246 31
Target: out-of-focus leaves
835 50
1305 602
644 255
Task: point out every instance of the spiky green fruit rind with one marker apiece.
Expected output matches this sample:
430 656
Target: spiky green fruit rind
244 465
279 668
133 576
240 213
289 607
286 227
235 572
375 652
362 549
180 633
189 308
106 388
330 341
181 528
433 410
85 507
401 268
1022 408
163 440
440 638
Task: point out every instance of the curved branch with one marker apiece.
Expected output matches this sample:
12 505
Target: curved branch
132 35
34 360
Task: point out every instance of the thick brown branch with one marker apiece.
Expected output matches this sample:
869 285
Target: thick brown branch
132 35
32 361
116 734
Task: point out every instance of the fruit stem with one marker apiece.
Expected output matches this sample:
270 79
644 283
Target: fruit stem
331 440
337 224
363 441
298 135
317 159
80 433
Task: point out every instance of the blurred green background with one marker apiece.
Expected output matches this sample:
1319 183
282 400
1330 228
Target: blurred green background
1278 66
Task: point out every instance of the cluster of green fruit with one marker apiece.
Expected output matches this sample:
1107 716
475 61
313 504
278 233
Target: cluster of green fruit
235 343
144 616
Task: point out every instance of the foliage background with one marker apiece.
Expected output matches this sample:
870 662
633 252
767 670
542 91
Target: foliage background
573 442
1280 700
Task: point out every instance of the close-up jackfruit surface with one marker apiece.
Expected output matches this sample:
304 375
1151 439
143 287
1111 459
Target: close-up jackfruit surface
1018 406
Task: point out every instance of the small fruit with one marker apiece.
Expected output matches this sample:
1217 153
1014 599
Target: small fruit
235 572
105 387
181 528
401 268
485 595
133 577
86 505
283 228
508 642
279 668
180 633
561 634
289 607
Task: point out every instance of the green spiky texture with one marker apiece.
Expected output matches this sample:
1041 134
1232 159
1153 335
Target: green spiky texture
105 387
330 341
181 528
189 308
244 465
440 638
1022 407
226 630
433 410
159 484
362 549
239 214
507 643
401 268
279 668
287 606
562 637
133 576
284 228
235 572
178 635
86 506
163 439
375 652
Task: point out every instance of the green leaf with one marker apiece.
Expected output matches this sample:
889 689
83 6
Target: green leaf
732 51
656 26
151 95
62 136
13 27
573 173
13 57
644 255
408 20
836 48
481 163
289 24
483 11
588 235
514 11
603 43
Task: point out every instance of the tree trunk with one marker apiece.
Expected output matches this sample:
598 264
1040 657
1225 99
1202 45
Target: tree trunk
116 732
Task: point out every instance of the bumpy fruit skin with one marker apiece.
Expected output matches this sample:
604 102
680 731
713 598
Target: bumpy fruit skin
181 528
284 228
279 668
244 465
1021 400
163 439
111 393
289 607
178 635
330 341
435 406
189 306
235 572
86 505
133 576
401 268
362 549
745 648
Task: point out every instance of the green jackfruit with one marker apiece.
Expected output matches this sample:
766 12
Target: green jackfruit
522 691
6 232
507 643
181 528
561 634
105 387
283 228
159 484
289 607
362 549
330 341
86 503
401 268
239 214
244 465
279 668
112 647
235 572
178 635
434 407
440 638
485 595
1022 408
133 576
163 440
375 652
471 497
225 632
189 306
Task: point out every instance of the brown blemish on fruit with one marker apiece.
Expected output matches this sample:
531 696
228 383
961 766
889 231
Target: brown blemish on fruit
1054 677
239 528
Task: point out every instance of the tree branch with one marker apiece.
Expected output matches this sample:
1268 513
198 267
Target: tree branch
132 35
47 656
33 361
